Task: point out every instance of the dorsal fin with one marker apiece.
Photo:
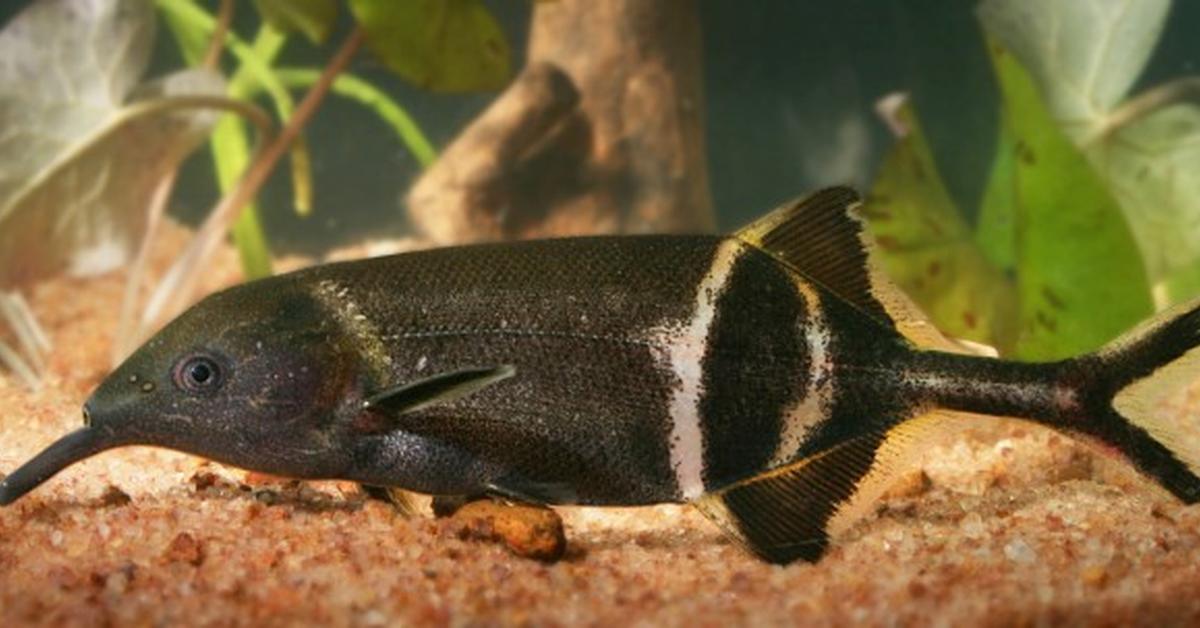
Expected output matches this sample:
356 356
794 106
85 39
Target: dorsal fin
821 237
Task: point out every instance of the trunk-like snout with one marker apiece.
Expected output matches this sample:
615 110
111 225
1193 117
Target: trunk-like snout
66 451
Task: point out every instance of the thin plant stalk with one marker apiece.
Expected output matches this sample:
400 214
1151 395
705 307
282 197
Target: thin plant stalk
125 337
155 209
217 40
354 88
254 69
12 361
25 326
176 289
1184 90
36 333
253 60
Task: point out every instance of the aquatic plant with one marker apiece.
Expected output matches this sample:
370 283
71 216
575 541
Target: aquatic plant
91 157
86 144
1089 220
459 47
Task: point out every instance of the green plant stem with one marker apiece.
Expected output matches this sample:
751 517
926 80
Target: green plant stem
355 88
231 157
177 287
254 74
229 144
254 61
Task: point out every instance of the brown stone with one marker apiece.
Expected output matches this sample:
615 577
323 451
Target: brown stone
114 497
909 485
528 531
184 548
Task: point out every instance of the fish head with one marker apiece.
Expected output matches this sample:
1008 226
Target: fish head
255 376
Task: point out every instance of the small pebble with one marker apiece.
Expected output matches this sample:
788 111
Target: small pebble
1018 551
972 525
114 497
1094 575
528 531
184 548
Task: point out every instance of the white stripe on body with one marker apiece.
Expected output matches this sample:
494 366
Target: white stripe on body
813 407
682 349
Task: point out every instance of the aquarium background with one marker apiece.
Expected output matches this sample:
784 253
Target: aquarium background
999 522
790 92
1022 193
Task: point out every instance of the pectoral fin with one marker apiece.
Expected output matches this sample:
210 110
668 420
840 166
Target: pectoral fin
440 388
517 489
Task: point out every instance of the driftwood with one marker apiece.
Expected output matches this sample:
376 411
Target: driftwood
603 132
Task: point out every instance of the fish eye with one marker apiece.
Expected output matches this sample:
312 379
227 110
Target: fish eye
198 373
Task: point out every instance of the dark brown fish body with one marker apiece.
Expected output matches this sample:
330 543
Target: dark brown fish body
759 376
587 418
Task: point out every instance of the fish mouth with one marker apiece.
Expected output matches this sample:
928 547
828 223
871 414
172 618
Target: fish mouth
64 452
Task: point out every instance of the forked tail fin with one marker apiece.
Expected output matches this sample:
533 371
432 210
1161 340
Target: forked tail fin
790 511
1114 395
1126 383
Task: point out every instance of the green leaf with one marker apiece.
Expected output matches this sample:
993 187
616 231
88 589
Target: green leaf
387 109
1084 55
229 142
1081 280
81 154
441 45
1153 167
312 18
927 249
1179 286
996 232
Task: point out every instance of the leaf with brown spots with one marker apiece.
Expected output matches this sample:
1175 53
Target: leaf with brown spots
927 248
1080 276
1085 56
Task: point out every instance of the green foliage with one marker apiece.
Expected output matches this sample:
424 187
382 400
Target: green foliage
1052 268
1084 56
453 45
80 155
312 18
927 247
229 143
441 45
105 145
1080 278
386 109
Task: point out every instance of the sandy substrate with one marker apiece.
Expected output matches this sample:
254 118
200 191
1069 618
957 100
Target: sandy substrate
1004 524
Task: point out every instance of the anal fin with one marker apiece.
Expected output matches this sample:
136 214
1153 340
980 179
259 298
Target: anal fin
791 512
